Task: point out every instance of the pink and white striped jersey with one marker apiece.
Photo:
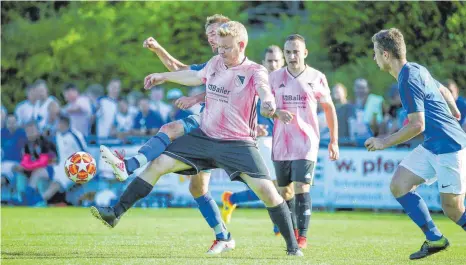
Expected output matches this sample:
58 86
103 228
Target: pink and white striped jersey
230 106
300 138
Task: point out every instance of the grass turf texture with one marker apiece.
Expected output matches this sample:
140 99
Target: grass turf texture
181 236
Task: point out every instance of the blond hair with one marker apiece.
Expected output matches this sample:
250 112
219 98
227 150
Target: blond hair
392 41
217 18
234 29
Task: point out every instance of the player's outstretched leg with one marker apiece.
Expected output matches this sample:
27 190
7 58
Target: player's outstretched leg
139 188
199 189
402 187
152 149
278 210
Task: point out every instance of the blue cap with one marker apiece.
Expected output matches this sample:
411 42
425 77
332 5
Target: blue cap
174 93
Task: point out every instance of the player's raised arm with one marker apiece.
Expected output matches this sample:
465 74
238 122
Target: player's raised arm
188 102
261 83
167 59
186 77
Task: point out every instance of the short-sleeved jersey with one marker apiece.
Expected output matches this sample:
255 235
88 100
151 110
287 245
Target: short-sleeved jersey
231 100
108 108
24 112
41 111
419 92
300 138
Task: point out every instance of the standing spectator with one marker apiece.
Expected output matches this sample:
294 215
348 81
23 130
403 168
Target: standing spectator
460 101
4 114
157 104
43 106
147 122
345 111
78 109
94 92
24 111
108 107
124 121
176 113
369 110
133 99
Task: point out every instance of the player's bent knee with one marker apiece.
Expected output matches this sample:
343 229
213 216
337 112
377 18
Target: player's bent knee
173 130
287 192
301 187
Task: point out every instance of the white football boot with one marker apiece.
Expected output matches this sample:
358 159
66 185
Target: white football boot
116 161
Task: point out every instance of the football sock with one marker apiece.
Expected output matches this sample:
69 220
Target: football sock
303 212
292 206
243 196
462 221
136 190
209 209
417 210
148 152
280 216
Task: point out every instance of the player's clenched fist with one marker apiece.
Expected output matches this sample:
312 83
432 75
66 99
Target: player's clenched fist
373 144
151 44
153 80
185 102
284 116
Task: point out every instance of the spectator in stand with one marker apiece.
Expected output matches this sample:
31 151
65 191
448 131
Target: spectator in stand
13 140
36 163
46 108
133 99
147 122
108 108
176 113
157 104
345 111
94 92
24 111
4 114
369 111
69 141
460 101
78 109
124 121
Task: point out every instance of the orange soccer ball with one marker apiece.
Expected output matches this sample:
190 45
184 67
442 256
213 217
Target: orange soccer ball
80 167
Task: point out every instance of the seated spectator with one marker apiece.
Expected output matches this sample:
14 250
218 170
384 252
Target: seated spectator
69 141
460 101
133 99
36 163
345 111
13 140
265 125
394 114
147 122
123 121
369 110
78 109
176 113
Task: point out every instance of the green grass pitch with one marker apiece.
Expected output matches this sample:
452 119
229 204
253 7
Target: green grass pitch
181 236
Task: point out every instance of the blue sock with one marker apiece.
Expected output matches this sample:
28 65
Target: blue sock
417 210
209 209
462 221
243 196
151 150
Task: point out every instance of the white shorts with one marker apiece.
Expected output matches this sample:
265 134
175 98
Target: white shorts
265 148
449 169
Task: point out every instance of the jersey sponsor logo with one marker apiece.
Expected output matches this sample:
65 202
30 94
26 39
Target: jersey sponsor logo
294 97
218 89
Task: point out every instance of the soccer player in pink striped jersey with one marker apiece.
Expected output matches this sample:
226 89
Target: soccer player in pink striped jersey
297 89
226 137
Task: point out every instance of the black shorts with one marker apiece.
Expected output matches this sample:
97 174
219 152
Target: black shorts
203 152
294 170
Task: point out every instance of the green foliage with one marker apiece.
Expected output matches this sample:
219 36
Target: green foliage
88 42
